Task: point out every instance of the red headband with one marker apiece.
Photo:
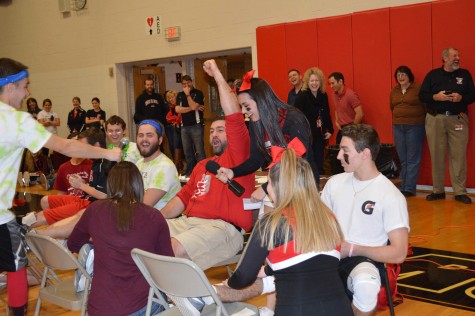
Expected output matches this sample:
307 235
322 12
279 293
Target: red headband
276 151
246 81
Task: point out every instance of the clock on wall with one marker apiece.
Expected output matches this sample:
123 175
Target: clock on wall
80 4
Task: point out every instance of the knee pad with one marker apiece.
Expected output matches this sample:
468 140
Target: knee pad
364 282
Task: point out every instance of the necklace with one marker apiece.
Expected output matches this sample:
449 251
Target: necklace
361 185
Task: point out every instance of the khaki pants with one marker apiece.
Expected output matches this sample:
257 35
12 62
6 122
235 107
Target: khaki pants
448 133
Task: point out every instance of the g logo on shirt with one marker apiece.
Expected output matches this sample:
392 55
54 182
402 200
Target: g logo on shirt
368 207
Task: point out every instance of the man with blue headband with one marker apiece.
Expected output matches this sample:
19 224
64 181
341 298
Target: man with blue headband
159 173
18 130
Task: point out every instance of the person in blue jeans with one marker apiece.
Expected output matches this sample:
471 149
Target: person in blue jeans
409 127
190 104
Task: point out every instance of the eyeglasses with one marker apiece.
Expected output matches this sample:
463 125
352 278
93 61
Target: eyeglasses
401 74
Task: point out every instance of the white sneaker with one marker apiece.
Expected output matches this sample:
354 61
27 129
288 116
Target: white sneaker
265 311
29 219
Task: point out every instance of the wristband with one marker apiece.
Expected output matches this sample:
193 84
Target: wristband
351 251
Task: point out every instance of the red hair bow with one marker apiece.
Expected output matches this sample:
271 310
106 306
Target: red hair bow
246 81
276 151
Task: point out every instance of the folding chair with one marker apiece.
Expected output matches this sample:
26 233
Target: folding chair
181 279
54 255
383 272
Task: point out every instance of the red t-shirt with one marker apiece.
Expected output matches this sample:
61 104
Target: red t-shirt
66 170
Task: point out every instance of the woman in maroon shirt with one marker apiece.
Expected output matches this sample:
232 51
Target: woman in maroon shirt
116 226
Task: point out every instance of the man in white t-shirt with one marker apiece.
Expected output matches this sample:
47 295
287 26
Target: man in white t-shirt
18 130
372 214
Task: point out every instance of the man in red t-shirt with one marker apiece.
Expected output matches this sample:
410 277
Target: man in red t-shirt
348 108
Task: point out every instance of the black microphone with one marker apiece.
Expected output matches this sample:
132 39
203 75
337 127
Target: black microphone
236 188
123 143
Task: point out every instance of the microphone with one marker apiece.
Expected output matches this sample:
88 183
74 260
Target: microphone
236 188
123 143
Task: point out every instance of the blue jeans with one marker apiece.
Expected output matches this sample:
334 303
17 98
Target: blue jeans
156 308
192 136
409 140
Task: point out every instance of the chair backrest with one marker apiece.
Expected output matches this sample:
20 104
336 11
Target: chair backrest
174 276
53 254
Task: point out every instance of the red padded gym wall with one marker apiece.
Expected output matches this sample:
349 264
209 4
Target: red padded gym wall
453 26
371 67
301 46
271 58
335 52
405 41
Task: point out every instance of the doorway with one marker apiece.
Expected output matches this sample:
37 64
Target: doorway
166 74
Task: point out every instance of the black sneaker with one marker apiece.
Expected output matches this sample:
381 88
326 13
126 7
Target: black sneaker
435 196
465 199
407 193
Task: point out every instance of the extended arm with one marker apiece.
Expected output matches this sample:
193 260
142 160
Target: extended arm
228 99
74 148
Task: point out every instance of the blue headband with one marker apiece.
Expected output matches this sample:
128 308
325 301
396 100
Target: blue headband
13 78
154 124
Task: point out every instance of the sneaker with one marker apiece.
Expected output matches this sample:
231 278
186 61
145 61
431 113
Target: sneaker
44 182
465 199
435 196
26 178
407 193
197 303
265 311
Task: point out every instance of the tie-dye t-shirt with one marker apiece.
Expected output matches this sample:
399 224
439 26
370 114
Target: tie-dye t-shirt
160 173
18 130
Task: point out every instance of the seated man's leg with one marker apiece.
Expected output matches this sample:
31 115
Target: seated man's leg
63 206
44 202
63 228
205 241
364 282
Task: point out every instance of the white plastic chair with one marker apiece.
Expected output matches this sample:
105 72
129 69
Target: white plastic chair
181 279
54 255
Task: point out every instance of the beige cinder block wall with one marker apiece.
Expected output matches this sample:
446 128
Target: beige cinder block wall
71 54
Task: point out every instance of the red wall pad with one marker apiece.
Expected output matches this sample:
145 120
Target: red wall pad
335 52
406 40
452 25
272 58
372 69
301 45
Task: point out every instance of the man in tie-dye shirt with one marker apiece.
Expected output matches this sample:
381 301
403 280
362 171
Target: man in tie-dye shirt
18 130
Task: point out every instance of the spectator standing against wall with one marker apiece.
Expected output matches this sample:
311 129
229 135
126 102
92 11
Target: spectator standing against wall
348 108
96 116
313 102
150 105
295 79
76 117
408 127
190 104
448 91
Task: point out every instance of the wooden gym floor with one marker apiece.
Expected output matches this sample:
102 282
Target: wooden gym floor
443 225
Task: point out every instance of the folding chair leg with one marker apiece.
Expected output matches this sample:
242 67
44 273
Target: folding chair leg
388 292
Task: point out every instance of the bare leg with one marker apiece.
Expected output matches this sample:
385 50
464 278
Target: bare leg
179 250
44 203
62 228
271 299
227 294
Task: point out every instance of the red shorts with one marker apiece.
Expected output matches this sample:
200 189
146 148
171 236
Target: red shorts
63 206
